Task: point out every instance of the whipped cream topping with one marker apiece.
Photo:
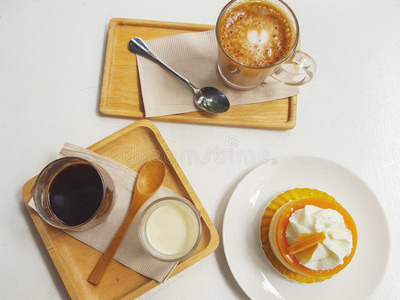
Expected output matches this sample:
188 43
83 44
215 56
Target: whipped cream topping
333 249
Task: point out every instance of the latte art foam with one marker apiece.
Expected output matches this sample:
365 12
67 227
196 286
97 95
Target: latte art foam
257 33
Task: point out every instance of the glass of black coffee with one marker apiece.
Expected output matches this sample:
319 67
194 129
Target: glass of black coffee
74 194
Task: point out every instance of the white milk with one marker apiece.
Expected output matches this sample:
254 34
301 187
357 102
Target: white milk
172 228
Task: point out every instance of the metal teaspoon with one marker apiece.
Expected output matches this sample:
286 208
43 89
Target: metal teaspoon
208 99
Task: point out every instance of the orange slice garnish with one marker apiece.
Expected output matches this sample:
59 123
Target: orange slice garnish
306 241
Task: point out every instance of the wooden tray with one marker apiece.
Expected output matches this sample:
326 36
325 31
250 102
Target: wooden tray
75 260
121 94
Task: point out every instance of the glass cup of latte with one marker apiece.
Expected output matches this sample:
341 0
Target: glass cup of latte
256 38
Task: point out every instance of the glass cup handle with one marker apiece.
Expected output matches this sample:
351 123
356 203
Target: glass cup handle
301 60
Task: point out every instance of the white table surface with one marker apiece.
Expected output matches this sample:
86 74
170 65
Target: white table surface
51 60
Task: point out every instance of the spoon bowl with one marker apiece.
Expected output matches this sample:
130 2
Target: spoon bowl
208 99
211 100
148 182
150 178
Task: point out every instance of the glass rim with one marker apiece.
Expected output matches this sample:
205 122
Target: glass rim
290 53
146 244
67 164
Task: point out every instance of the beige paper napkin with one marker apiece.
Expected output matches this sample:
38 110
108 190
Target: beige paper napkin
194 56
130 253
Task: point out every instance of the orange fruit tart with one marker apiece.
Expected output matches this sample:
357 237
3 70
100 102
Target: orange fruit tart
308 236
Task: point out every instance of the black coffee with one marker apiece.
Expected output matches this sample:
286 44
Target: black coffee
75 194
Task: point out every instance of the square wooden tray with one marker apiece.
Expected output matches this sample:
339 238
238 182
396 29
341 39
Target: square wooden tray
121 94
74 260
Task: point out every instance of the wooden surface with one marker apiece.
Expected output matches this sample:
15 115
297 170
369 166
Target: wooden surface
75 260
121 95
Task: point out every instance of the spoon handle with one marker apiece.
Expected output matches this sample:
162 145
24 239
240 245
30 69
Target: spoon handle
105 259
137 46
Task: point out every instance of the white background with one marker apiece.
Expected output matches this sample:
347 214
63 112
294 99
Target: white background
51 63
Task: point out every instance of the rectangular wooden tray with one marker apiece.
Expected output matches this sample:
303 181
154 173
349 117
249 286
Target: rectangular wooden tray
74 260
121 94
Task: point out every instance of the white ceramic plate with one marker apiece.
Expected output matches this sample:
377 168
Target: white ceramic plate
241 230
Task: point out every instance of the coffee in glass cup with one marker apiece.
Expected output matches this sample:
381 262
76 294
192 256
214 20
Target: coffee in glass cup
255 39
72 193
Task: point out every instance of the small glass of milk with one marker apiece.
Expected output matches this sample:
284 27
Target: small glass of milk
170 229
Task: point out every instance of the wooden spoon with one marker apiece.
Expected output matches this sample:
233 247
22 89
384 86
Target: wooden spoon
148 182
